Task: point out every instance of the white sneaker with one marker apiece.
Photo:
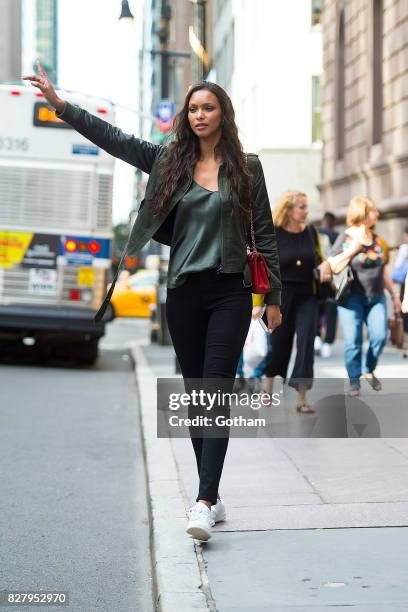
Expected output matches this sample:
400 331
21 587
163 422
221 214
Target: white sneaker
218 511
317 344
326 350
200 522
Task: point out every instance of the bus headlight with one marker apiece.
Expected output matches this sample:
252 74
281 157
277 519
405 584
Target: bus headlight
86 295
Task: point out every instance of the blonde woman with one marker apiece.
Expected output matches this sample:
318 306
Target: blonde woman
297 245
367 254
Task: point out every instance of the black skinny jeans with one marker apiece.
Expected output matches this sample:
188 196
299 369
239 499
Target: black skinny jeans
208 318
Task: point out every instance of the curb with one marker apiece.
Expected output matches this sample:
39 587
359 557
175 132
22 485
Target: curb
177 568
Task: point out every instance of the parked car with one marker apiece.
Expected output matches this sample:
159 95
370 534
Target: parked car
134 294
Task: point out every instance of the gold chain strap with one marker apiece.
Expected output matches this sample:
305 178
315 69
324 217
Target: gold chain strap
252 219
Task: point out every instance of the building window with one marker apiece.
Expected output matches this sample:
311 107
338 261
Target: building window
224 60
339 90
316 12
47 43
377 71
230 49
316 109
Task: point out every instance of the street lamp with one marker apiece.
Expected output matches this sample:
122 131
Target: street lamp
126 13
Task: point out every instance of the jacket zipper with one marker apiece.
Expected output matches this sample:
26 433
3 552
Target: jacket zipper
186 189
221 267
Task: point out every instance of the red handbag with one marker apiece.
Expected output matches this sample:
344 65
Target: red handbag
257 264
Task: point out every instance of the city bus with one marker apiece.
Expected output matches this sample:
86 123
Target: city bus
55 225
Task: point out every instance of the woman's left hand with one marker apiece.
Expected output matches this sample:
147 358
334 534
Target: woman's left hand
274 317
325 272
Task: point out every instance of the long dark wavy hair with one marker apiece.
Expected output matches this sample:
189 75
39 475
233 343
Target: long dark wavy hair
184 151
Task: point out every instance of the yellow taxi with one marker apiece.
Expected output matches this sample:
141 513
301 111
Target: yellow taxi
134 294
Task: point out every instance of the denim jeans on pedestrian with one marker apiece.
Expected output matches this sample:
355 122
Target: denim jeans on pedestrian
356 310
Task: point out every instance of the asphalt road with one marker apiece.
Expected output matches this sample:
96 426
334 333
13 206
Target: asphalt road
73 512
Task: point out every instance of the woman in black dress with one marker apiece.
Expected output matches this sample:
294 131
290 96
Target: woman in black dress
297 247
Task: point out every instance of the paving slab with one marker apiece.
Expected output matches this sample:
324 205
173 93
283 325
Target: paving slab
310 570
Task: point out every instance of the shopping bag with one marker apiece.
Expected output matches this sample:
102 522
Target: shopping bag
255 347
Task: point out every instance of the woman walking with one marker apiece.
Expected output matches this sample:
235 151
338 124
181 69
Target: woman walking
199 197
298 247
367 255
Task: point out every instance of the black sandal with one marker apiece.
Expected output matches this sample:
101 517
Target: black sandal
305 409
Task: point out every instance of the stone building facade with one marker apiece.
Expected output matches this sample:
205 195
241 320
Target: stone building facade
365 108
268 57
10 40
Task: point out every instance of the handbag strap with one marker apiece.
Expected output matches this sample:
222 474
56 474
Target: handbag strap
315 239
252 246
252 232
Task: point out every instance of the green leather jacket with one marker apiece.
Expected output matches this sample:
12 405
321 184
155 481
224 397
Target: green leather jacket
149 157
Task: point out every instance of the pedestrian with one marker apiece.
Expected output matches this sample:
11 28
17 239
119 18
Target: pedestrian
326 228
398 274
367 255
297 246
404 303
199 197
327 316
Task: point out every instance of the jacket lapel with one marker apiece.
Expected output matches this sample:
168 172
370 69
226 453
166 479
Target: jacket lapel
146 223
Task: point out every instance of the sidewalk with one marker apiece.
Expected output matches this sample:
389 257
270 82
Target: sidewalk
317 522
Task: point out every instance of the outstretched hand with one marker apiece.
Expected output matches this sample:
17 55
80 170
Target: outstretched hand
43 83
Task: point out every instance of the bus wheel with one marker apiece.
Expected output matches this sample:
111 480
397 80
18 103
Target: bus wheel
88 352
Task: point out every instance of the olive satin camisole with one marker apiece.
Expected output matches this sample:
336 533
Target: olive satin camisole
196 243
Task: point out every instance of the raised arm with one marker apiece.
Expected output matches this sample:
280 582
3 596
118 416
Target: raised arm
134 151
137 152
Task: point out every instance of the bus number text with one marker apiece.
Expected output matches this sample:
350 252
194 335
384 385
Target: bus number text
8 143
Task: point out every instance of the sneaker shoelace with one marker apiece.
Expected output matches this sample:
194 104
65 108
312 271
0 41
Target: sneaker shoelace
199 511
213 508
